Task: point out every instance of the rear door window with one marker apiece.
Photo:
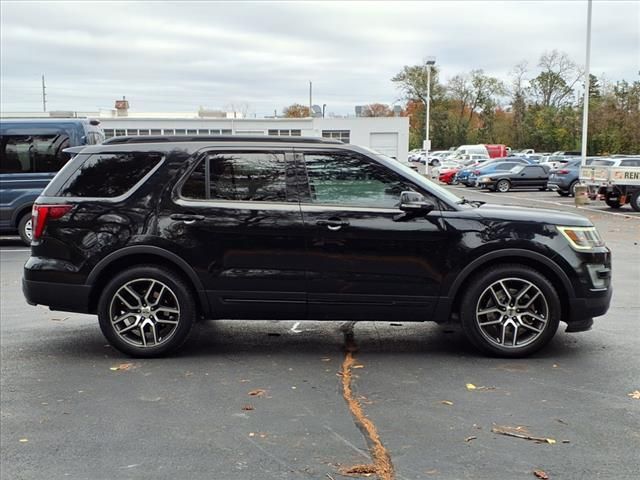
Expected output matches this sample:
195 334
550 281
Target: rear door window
240 176
33 153
109 175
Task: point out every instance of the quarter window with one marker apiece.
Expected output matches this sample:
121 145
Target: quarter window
344 178
33 153
239 176
109 175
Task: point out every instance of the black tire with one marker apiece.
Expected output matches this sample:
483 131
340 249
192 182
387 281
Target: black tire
572 188
635 201
612 203
181 291
543 189
24 228
503 186
478 287
562 193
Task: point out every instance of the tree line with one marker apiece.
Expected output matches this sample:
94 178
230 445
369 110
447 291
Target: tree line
543 112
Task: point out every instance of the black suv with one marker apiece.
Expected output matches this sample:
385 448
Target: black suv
155 233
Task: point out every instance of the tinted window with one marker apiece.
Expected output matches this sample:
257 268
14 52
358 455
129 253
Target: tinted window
33 153
630 163
505 166
342 178
239 176
109 175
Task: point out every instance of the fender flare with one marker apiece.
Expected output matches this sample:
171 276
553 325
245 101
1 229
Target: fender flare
510 253
145 250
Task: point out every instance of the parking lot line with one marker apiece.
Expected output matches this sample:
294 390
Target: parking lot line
560 204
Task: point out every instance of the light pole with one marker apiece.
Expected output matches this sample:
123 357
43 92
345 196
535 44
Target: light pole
430 61
580 192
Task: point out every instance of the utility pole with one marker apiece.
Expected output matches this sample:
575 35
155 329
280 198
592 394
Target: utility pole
44 95
585 106
310 96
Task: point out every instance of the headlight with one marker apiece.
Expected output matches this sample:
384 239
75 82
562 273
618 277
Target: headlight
582 238
484 179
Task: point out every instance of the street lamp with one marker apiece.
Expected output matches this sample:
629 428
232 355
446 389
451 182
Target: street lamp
429 62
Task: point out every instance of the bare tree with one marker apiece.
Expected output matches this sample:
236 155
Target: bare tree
554 86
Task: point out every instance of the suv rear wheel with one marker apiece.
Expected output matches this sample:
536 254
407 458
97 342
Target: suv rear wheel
146 311
25 229
510 311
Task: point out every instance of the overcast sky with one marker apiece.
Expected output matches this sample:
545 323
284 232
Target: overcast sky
175 56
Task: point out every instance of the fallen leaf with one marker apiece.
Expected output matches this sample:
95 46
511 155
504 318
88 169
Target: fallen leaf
431 472
252 434
468 439
635 395
325 359
359 470
541 474
446 402
258 392
23 440
471 386
122 366
247 408
358 366
551 441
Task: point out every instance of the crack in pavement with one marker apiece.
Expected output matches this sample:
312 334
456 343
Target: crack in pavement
381 465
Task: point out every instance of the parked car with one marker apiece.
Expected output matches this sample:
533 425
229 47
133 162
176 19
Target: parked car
31 152
463 176
564 180
527 176
155 233
415 155
496 151
503 165
446 172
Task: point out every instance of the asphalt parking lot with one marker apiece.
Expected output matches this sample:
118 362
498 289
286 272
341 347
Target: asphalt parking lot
266 399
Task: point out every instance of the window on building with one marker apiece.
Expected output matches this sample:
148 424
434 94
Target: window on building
192 132
156 131
120 132
342 135
181 131
249 132
225 131
143 132
109 175
203 131
108 132
341 178
285 133
33 153
168 131
132 132
239 176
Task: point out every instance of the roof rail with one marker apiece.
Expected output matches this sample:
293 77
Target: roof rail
216 138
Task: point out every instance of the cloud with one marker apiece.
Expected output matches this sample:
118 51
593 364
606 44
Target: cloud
176 56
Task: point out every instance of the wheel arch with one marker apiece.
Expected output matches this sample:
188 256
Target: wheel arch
536 261
19 212
144 255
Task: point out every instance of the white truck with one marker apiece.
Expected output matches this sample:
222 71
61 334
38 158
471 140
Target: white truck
617 182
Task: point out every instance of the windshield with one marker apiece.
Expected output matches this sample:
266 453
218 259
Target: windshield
517 169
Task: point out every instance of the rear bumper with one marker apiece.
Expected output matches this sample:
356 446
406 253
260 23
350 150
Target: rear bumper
57 296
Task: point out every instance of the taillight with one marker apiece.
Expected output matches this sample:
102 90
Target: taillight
41 213
562 172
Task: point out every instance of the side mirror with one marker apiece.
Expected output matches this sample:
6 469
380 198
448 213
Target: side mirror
415 204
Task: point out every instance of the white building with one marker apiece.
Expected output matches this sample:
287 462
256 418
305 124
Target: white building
387 135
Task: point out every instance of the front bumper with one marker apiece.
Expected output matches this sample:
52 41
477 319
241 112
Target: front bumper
584 309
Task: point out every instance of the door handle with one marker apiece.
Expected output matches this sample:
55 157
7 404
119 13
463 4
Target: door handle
186 218
333 224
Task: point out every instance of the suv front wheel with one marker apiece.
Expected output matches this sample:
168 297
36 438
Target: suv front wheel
510 311
146 311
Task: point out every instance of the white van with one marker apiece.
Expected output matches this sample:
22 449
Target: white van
471 150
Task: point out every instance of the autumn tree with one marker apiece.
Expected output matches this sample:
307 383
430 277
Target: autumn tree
296 111
376 110
554 86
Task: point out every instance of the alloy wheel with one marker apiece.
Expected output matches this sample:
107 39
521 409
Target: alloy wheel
503 186
512 313
28 230
144 313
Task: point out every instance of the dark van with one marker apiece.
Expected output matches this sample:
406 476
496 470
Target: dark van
31 152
